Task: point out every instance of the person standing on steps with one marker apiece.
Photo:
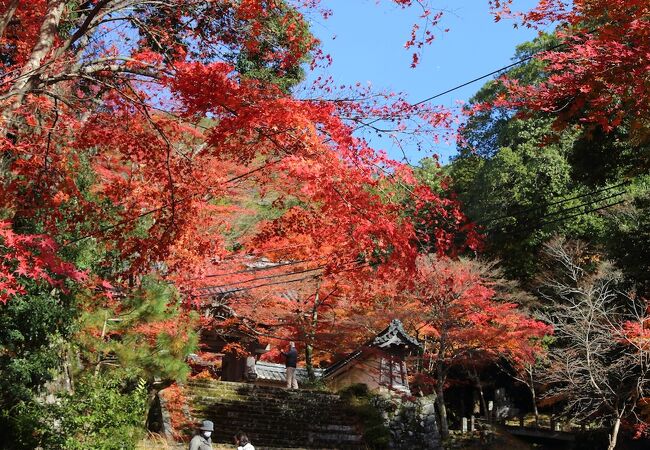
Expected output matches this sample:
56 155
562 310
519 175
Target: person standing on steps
203 439
291 361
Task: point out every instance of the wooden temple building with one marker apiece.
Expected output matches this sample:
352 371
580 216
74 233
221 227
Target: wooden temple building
379 364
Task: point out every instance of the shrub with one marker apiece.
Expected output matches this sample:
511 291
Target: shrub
361 403
105 412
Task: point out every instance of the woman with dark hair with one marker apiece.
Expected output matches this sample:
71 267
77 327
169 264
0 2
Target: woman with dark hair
242 442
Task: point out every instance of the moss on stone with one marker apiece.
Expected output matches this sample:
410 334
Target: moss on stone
360 403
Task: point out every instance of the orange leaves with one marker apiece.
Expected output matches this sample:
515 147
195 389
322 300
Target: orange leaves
236 350
176 405
601 73
466 322
175 327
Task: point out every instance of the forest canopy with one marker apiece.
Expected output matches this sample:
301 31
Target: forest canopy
153 153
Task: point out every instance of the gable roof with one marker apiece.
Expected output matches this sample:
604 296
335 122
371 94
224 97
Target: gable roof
393 335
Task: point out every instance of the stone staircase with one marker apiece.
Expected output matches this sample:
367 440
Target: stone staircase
274 417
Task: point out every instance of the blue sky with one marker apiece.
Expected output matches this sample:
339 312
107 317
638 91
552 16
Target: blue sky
366 42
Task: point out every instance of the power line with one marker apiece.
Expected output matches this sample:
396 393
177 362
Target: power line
558 202
266 277
494 72
591 202
562 219
472 81
271 266
236 290
482 77
210 290
563 211
358 264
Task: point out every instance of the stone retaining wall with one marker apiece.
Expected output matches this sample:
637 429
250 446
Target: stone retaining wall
280 418
273 417
412 422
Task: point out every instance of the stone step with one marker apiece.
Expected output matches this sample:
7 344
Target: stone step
253 396
266 400
245 422
226 386
274 417
287 413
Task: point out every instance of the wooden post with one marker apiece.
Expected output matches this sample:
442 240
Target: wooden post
472 423
552 423
464 429
521 421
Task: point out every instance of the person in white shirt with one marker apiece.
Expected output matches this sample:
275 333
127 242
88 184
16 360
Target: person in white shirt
242 442
250 372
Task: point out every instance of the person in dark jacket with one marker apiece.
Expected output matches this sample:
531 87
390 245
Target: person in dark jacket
291 361
203 440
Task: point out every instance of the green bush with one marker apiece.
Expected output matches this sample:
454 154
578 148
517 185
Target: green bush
105 412
361 403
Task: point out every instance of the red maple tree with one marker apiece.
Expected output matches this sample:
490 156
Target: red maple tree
600 75
464 323
150 97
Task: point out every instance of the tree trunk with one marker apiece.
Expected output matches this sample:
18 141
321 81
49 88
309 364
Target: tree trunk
614 436
530 370
46 37
311 337
440 401
442 410
309 365
7 16
479 386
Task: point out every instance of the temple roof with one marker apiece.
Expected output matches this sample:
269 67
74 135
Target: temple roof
394 334
267 371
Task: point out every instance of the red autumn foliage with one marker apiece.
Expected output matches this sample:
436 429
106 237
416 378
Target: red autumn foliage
173 131
30 257
175 404
600 76
465 322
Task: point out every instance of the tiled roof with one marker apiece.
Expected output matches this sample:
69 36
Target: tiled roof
217 291
342 363
267 371
252 265
395 334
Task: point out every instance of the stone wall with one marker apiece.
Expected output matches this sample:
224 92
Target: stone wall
272 417
411 421
280 418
